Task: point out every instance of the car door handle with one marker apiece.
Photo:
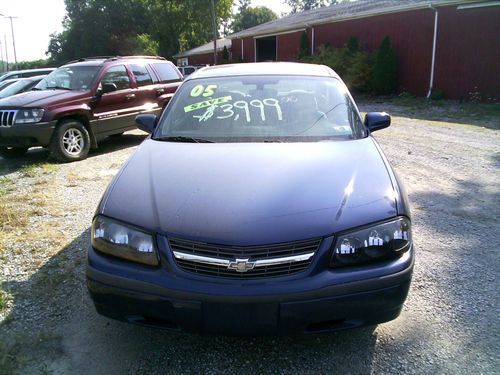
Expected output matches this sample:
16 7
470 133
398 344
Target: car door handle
160 92
130 96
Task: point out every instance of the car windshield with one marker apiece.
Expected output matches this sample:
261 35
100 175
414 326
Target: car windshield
15 88
261 109
70 78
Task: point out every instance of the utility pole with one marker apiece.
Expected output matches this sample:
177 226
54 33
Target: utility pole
13 39
6 53
214 25
1 57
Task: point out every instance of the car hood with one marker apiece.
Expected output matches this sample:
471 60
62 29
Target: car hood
252 193
40 98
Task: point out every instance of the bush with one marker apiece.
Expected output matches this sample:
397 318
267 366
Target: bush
304 49
362 71
385 69
225 55
353 66
436 94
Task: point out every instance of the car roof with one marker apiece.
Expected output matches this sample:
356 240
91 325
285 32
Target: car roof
114 60
264 68
27 70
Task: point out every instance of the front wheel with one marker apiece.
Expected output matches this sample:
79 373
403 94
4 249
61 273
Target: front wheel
12 152
70 142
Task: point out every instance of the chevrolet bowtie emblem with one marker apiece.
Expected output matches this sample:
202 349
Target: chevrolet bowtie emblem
241 265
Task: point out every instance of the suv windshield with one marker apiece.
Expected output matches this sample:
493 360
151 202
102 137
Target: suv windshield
260 109
69 78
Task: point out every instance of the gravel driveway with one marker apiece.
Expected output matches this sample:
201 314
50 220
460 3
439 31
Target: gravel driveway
450 323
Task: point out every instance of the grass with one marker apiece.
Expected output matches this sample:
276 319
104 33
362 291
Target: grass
18 208
53 275
481 114
5 299
35 170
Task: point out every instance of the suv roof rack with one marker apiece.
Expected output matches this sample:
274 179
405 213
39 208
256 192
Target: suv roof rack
89 58
112 58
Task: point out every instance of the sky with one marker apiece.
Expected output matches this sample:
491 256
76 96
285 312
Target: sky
37 19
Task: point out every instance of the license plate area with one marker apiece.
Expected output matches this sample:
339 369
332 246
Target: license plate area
241 319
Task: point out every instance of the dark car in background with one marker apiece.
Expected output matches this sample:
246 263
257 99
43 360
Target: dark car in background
260 204
189 69
19 86
84 101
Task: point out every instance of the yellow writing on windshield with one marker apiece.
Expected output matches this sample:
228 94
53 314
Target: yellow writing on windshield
207 103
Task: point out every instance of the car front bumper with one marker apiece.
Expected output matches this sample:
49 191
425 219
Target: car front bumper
27 135
312 303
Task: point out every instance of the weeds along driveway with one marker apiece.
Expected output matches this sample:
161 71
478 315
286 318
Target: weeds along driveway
450 323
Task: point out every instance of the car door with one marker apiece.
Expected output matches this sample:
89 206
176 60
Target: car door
169 80
148 88
115 111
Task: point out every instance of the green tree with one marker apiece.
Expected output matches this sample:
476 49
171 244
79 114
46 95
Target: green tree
385 69
146 45
243 5
99 27
125 27
250 17
179 25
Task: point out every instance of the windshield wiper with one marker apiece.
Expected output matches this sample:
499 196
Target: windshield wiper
183 139
58 88
35 89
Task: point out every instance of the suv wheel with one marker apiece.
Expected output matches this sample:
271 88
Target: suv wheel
70 142
12 152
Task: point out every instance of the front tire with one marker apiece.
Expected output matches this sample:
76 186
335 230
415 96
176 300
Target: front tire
12 152
70 142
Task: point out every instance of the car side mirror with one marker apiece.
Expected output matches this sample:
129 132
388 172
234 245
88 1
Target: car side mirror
146 123
377 120
108 87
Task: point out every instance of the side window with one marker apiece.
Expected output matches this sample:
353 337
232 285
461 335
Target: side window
141 75
167 72
117 75
32 74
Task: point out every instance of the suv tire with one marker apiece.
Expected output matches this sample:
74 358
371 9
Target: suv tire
70 142
12 152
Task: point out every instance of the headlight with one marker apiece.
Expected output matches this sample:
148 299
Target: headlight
123 241
373 243
26 116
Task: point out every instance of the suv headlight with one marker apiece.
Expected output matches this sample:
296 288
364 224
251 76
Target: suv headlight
373 243
27 116
115 238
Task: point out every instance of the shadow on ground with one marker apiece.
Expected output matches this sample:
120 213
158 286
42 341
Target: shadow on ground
53 327
457 241
39 155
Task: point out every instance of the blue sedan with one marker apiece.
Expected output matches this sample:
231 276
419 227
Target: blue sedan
259 204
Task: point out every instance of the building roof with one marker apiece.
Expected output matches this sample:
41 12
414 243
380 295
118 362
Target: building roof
264 68
339 12
206 48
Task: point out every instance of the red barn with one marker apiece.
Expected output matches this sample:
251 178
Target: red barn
450 45
203 55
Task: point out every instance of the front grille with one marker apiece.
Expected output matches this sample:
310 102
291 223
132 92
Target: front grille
226 253
7 117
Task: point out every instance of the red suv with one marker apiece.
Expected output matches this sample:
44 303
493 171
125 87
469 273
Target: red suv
84 101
